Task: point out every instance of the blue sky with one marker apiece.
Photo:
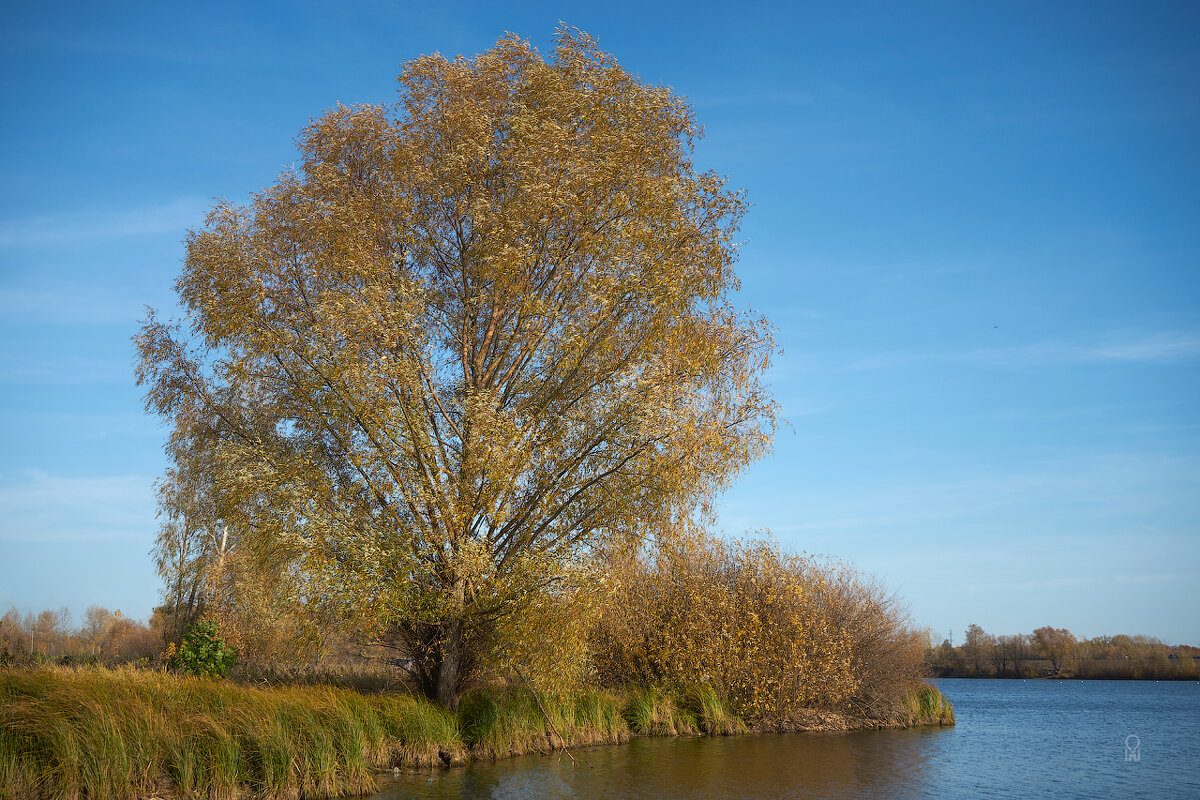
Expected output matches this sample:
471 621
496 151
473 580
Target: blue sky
975 225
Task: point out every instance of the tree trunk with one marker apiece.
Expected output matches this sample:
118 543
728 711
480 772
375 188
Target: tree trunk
448 672
449 678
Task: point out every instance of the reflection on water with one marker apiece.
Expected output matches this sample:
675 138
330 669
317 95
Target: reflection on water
802 765
1013 739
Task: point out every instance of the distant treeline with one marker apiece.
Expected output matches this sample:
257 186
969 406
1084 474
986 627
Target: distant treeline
1056 652
102 637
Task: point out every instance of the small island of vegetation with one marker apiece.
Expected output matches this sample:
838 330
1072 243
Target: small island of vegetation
701 637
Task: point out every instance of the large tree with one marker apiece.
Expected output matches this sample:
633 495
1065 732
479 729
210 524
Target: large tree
1056 645
978 646
472 339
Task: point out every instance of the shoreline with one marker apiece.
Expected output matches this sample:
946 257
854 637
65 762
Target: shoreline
1155 679
127 733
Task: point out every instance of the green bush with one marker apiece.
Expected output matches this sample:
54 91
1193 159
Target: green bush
204 654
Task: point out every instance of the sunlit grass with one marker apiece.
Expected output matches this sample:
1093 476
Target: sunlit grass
925 705
712 714
102 734
650 711
500 722
688 711
107 734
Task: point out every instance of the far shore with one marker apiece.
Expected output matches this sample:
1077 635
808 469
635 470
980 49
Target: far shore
1174 670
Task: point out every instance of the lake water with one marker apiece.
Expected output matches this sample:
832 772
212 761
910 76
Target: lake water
1026 739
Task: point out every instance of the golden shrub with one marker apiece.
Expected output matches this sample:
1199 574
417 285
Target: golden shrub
769 630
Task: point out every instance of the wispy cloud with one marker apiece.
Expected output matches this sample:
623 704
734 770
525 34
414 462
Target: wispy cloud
118 426
1155 577
1028 586
1162 348
75 227
40 507
56 40
71 302
1159 347
59 370
772 100
1060 497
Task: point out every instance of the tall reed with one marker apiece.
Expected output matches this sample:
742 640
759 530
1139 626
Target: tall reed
102 735
98 734
925 705
499 722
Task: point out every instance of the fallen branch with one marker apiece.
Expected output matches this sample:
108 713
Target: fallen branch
537 698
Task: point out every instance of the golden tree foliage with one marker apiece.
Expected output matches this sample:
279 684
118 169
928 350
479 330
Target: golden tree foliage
1056 645
471 337
209 575
255 615
191 542
772 632
547 641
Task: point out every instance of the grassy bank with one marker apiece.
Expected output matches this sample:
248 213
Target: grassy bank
925 706
109 734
